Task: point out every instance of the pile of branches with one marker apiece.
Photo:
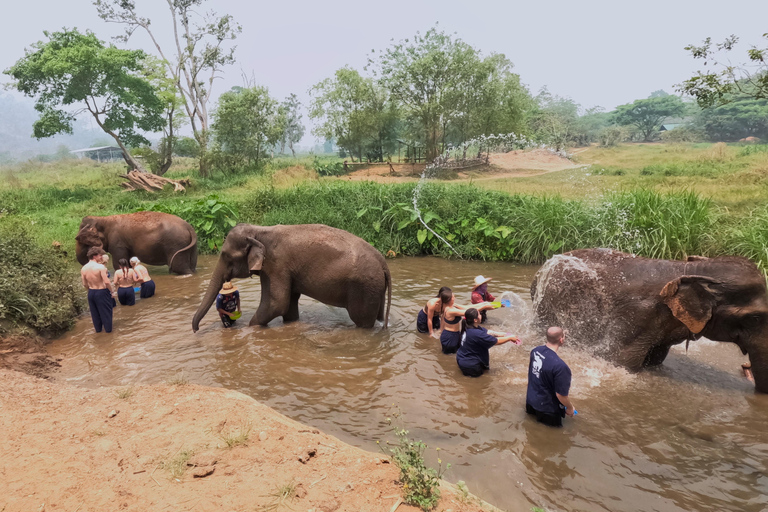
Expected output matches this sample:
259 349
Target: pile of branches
140 180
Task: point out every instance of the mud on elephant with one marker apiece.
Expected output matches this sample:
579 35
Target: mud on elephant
156 238
325 263
631 310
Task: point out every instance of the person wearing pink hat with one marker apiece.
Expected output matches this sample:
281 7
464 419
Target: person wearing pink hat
481 294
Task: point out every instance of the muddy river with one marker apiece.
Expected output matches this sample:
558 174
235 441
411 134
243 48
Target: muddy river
691 435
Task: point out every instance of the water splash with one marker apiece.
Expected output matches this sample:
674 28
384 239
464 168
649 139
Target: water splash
429 171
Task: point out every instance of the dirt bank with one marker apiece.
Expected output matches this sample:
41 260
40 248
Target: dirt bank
26 354
166 448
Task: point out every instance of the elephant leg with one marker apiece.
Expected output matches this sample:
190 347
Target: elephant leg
293 309
656 356
118 253
362 308
275 300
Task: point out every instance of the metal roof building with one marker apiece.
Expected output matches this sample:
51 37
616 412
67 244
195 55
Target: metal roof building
100 154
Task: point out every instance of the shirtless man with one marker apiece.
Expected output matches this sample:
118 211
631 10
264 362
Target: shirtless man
100 290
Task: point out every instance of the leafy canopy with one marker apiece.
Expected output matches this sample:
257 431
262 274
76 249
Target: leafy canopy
72 73
648 115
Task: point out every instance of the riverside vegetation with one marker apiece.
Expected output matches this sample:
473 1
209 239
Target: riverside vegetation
661 201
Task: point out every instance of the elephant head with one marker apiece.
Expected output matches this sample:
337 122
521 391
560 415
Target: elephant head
242 255
731 307
89 236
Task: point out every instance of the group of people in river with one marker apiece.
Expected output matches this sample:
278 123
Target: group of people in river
102 291
549 377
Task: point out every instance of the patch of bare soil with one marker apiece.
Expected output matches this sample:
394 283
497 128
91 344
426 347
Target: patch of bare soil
165 447
398 173
26 354
529 163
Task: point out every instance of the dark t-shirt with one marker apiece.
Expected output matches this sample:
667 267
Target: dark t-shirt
475 348
547 375
227 302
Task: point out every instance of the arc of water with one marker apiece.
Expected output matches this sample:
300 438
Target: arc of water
417 194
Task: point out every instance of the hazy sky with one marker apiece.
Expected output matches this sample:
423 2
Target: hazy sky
597 52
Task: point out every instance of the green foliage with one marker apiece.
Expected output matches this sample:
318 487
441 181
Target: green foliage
78 69
328 168
289 124
647 115
740 117
683 134
421 484
211 217
36 288
492 225
186 146
753 149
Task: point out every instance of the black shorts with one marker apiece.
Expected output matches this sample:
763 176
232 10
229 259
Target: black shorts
473 371
422 325
548 419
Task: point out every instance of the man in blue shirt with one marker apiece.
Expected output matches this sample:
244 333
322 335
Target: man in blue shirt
549 380
228 304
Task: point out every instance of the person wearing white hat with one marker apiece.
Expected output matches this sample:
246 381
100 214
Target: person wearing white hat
147 284
228 304
480 294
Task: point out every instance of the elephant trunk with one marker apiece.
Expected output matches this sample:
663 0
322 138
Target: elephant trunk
759 360
81 252
217 280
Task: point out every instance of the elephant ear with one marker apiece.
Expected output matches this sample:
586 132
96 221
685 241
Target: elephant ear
90 237
255 254
691 299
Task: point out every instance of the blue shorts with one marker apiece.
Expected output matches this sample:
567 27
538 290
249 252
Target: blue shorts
423 326
451 341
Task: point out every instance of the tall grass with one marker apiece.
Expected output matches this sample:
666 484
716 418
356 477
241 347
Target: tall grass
493 225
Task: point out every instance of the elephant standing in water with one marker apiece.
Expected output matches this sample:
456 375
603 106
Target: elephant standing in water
631 310
156 238
325 263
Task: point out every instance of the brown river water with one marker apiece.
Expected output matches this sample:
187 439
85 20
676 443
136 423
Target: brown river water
691 435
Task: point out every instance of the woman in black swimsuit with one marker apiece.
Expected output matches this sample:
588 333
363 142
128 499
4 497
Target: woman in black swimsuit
433 310
450 338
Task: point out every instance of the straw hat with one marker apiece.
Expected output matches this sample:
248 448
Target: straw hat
480 280
228 288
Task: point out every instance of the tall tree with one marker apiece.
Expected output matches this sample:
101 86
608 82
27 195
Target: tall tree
424 75
244 124
555 120
74 73
723 81
201 53
167 91
293 129
649 114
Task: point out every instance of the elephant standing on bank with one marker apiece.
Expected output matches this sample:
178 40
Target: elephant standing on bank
155 238
325 263
631 310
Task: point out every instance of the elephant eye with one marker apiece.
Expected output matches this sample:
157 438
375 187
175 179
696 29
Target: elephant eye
753 320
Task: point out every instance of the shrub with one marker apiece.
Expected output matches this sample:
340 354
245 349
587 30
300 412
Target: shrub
211 218
612 135
683 134
328 168
37 288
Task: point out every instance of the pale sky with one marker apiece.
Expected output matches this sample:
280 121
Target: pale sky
597 52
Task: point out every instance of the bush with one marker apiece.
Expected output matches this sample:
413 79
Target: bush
612 135
211 218
328 168
683 134
37 288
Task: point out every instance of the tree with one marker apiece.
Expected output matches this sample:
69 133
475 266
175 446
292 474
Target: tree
724 81
352 110
555 120
244 124
428 75
292 128
73 69
168 93
187 147
648 115
201 53
742 116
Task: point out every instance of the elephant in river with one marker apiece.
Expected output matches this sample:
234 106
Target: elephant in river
631 310
155 238
325 263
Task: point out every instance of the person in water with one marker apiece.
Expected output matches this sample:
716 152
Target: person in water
433 310
450 338
147 284
473 357
480 294
549 381
105 262
100 292
227 303
125 277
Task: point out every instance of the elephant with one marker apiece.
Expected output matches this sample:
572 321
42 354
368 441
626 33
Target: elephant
155 238
328 264
631 310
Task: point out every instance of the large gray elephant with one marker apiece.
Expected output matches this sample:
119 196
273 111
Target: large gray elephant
631 310
155 238
325 263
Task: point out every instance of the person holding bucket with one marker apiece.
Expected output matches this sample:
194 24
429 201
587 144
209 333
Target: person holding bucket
228 304
147 284
481 294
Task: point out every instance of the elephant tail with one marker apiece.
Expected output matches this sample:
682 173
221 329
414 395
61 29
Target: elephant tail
192 244
388 283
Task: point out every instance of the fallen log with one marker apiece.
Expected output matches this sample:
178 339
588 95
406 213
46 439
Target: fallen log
139 180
